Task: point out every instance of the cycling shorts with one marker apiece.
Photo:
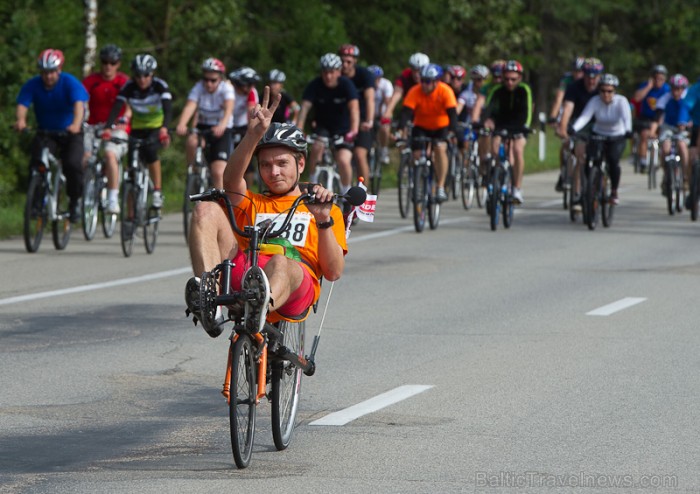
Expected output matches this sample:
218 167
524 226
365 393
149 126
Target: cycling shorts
364 139
149 151
439 134
219 148
694 131
333 136
298 302
119 149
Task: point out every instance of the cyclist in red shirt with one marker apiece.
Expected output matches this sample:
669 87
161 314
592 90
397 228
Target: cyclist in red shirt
103 88
408 78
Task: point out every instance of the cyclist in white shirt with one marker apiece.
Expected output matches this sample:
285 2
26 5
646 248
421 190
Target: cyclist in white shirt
613 118
212 99
383 91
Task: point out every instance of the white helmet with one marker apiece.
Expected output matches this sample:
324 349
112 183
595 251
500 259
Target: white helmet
418 60
330 61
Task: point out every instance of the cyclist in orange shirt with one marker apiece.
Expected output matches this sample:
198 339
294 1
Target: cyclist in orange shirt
433 108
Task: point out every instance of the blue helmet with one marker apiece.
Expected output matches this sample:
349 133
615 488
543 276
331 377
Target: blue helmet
376 71
432 71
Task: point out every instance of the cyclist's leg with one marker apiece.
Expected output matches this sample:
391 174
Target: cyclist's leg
613 152
363 143
286 276
72 151
685 162
315 157
190 147
518 149
440 163
343 156
218 155
211 239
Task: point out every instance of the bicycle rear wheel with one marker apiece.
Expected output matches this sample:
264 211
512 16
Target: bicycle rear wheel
286 385
669 186
405 186
35 213
242 406
607 208
592 198
128 217
420 198
91 202
61 226
150 225
494 200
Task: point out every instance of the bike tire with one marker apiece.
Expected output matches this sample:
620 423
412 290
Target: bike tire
405 186
109 223
607 207
324 179
35 213
651 179
592 198
693 192
91 202
433 212
150 225
680 193
375 170
286 385
453 178
191 187
242 401
669 188
128 217
468 186
61 227
420 201
494 198
508 205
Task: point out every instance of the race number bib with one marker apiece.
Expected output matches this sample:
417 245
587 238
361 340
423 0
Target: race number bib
297 230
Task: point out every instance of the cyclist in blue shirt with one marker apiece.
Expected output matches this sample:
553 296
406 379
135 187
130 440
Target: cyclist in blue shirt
59 105
674 117
648 93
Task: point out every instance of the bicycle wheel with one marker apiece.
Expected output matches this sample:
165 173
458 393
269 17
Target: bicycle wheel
405 186
150 224
693 192
592 198
494 208
128 217
607 208
61 226
678 188
109 223
669 186
242 406
193 185
375 170
652 168
420 198
508 201
469 177
286 385
35 213
91 202
453 179
433 211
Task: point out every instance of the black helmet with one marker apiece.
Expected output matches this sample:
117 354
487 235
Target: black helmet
283 134
143 64
244 76
110 53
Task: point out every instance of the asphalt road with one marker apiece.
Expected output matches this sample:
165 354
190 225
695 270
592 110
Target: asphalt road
518 375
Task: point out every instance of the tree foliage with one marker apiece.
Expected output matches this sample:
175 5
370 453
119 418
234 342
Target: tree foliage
291 35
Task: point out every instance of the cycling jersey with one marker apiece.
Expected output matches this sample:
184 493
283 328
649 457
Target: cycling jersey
302 233
648 108
676 111
577 93
382 92
331 104
430 110
692 100
103 94
240 107
613 120
510 109
363 80
53 107
468 98
405 80
210 106
565 81
283 110
148 106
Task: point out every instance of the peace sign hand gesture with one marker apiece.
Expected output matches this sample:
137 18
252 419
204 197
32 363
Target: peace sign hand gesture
260 115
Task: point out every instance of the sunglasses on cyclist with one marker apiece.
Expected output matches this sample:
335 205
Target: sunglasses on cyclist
510 79
606 91
142 76
426 81
110 62
210 79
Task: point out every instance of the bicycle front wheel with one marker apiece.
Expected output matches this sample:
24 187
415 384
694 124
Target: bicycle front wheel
606 205
91 203
192 186
494 201
35 213
150 225
242 406
128 217
286 385
508 201
592 192
375 170
469 177
61 226
405 186
420 198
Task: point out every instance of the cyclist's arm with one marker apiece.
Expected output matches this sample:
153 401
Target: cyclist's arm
369 105
558 100
586 115
78 113
642 92
354 106
478 106
185 116
565 118
406 116
114 112
228 111
303 113
452 114
395 98
21 117
330 254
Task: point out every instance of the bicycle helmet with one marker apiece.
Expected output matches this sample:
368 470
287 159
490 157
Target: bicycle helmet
479 71
277 75
349 50
679 80
457 71
431 72
659 69
330 61
609 80
214 65
110 53
143 64
578 63
376 71
418 60
592 67
50 59
497 67
244 76
283 134
513 66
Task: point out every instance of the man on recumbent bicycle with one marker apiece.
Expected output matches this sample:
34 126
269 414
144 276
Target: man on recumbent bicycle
317 235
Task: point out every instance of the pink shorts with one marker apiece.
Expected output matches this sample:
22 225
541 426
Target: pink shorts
301 299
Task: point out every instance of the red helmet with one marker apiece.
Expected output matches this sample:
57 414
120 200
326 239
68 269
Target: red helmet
457 71
50 59
513 66
349 50
213 65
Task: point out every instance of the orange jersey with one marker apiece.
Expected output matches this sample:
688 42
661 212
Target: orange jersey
302 234
430 110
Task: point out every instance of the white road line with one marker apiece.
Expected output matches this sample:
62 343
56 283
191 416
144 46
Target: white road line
609 309
95 286
383 400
